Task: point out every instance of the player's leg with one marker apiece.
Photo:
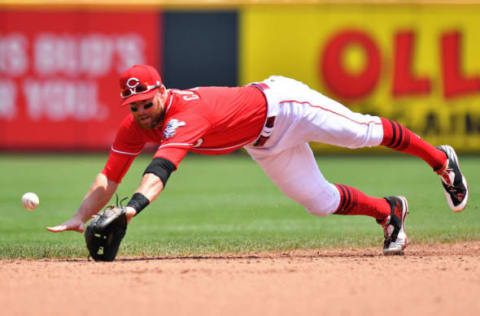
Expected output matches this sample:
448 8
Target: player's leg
390 213
325 120
296 173
442 159
400 138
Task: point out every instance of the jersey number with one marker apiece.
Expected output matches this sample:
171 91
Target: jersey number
187 95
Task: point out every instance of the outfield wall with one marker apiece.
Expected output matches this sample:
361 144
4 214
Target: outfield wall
416 63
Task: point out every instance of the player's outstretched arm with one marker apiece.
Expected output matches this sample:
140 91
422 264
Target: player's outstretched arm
153 181
151 186
100 192
149 189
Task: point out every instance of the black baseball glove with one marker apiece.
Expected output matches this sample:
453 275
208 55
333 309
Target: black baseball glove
105 232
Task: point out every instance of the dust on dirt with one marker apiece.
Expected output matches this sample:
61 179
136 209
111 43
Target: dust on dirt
441 279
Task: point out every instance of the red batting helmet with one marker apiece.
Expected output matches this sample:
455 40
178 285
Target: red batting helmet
139 82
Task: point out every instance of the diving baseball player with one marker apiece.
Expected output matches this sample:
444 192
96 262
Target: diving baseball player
273 120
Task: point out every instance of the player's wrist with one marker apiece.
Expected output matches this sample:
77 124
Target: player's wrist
81 217
138 202
131 211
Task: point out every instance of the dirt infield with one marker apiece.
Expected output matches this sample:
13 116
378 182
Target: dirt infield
428 280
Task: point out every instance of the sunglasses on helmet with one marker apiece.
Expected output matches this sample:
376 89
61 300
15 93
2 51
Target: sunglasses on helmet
137 88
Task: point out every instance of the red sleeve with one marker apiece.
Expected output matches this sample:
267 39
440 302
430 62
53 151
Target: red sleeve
117 166
127 146
174 155
181 132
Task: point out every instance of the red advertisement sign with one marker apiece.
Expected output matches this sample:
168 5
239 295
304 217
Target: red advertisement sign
59 75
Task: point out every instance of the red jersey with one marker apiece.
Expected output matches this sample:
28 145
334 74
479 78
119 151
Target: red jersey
205 120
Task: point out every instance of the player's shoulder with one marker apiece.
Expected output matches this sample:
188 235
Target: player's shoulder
183 100
187 106
180 95
201 95
197 93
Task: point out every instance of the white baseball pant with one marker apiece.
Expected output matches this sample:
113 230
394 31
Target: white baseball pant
303 115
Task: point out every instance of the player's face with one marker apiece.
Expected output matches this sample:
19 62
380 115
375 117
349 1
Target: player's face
148 113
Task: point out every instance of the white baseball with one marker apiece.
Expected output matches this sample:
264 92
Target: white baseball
30 201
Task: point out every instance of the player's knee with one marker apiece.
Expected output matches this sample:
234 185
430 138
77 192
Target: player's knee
322 201
356 140
320 206
320 210
368 135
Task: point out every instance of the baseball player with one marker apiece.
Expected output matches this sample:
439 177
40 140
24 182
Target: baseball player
273 120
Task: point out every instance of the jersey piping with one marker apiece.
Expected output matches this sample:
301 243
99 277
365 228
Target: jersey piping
328 110
124 152
222 148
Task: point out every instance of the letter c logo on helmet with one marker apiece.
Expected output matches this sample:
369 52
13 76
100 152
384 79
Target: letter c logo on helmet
132 82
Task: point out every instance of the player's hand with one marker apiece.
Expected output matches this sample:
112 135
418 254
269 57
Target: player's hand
130 213
74 224
77 225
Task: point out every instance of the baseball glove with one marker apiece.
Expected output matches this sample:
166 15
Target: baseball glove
105 232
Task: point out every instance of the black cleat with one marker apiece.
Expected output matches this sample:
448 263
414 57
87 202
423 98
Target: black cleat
394 226
453 181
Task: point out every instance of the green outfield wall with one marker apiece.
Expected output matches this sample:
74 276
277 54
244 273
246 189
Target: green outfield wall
411 61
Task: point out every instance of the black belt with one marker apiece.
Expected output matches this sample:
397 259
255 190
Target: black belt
268 128
266 132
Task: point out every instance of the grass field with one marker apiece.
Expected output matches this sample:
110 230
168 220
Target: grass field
225 204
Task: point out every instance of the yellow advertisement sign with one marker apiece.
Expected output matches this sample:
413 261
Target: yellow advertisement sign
417 64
